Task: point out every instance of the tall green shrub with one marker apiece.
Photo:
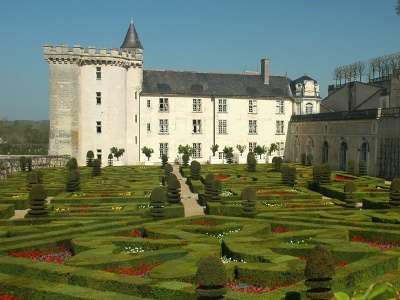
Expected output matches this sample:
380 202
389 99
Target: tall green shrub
216 190
249 194
96 164
37 202
195 169
89 158
22 163
251 162
157 203
303 159
351 166
174 191
362 168
211 278
319 273
394 194
350 198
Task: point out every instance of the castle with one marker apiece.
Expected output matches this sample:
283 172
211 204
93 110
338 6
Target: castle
101 99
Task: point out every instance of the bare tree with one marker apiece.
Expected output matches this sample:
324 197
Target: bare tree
360 69
394 61
373 67
385 65
346 73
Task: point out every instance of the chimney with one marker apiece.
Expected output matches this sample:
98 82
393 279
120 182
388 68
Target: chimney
265 70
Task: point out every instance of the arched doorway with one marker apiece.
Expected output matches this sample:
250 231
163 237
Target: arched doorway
297 150
343 155
310 146
325 152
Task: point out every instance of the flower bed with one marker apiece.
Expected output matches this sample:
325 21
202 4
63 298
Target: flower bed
143 271
378 243
53 255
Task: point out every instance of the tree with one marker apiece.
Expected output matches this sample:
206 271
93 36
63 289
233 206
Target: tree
147 152
185 150
260 150
214 148
360 69
272 148
228 151
241 148
117 152
398 8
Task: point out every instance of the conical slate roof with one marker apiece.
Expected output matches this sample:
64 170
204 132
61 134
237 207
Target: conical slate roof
131 39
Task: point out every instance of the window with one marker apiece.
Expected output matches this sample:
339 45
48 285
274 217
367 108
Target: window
281 148
252 145
197 150
221 155
196 126
148 103
309 108
252 126
196 105
148 127
98 97
280 107
135 95
222 105
163 126
135 118
163 104
98 153
98 126
280 127
98 73
222 127
163 149
298 108
252 106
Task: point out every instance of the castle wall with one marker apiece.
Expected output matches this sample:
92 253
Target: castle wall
64 87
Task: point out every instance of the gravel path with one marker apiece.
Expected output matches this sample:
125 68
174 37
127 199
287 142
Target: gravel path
189 200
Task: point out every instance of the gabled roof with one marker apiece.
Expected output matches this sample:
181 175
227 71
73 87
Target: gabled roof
131 39
221 84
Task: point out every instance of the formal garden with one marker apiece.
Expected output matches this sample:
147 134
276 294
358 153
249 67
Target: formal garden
270 231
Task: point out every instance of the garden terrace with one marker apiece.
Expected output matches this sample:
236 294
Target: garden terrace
102 243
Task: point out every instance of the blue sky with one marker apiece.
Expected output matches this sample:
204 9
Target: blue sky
300 37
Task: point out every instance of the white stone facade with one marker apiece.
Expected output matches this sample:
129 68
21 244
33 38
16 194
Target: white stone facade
101 99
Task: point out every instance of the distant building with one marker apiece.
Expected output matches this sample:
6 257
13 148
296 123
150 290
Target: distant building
358 121
101 99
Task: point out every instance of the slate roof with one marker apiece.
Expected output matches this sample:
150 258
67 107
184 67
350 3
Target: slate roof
131 39
221 84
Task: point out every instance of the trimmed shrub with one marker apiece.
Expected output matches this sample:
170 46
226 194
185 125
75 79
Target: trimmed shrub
211 276
394 194
351 166
303 158
73 181
39 175
168 169
285 174
185 160
251 162
326 174
164 161
310 159
317 173
350 199
195 169
207 187
110 159
174 191
216 189
37 201
319 272
362 168
31 179
249 194
292 175
72 164
89 158
229 157
157 203
22 163
278 163
96 164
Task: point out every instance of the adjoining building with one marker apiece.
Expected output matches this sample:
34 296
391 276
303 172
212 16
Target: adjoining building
358 121
101 99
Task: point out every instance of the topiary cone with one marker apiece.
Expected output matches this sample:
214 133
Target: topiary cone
319 273
211 277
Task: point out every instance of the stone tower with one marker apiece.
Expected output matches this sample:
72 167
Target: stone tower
94 99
